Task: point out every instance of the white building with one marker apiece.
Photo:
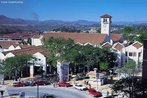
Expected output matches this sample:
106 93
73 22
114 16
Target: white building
119 49
135 52
39 53
37 40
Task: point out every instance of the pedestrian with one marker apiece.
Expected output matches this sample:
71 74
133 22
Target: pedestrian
54 85
107 93
89 85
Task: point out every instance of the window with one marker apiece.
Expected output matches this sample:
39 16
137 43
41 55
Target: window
126 54
105 20
132 53
139 54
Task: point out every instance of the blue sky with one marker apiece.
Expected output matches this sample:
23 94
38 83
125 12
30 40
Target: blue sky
71 10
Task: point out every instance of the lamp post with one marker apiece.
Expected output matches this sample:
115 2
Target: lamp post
2 92
96 74
37 91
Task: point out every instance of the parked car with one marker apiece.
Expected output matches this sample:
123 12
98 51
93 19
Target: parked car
64 84
40 82
94 93
18 84
79 87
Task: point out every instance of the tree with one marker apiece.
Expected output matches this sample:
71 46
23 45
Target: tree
141 37
104 66
128 69
22 61
87 56
13 65
8 67
127 34
128 84
129 87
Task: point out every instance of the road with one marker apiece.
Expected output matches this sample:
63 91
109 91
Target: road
59 92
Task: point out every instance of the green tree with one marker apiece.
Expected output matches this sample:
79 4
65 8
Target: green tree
13 65
127 33
104 66
129 68
8 67
141 37
86 56
129 88
128 85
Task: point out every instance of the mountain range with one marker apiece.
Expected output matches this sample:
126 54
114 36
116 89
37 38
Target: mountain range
18 25
4 20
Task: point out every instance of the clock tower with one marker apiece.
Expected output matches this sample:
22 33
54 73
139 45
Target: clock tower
106 24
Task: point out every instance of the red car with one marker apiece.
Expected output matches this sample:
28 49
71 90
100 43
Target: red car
40 82
18 84
64 84
95 93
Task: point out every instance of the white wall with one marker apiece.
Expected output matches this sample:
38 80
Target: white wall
37 41
41 59
9 55
11 48
136 58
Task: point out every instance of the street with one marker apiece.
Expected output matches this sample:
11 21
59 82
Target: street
59 92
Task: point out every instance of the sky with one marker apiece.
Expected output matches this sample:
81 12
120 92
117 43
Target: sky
72 10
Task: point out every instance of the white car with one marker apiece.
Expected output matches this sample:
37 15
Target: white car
79 87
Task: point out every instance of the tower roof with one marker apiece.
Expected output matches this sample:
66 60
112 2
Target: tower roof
106 16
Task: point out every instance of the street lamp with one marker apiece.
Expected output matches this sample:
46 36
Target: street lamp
37 91
96 74
2 92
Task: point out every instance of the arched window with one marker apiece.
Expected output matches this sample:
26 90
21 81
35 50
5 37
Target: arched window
105 20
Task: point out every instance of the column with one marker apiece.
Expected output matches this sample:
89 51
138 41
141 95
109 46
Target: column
44 69
32 71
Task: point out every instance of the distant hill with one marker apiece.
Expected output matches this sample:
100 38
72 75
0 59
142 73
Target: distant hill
15 25
18 25
6 20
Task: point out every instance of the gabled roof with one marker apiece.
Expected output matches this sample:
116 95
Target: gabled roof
29 50
118 46
115 37
106 16
107 44
137 44
82 38
7 44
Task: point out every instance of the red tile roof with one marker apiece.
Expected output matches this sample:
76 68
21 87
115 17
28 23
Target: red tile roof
137 45
17 35
107 44
29 50
37 36
116 37
7 44
79 37
118 46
